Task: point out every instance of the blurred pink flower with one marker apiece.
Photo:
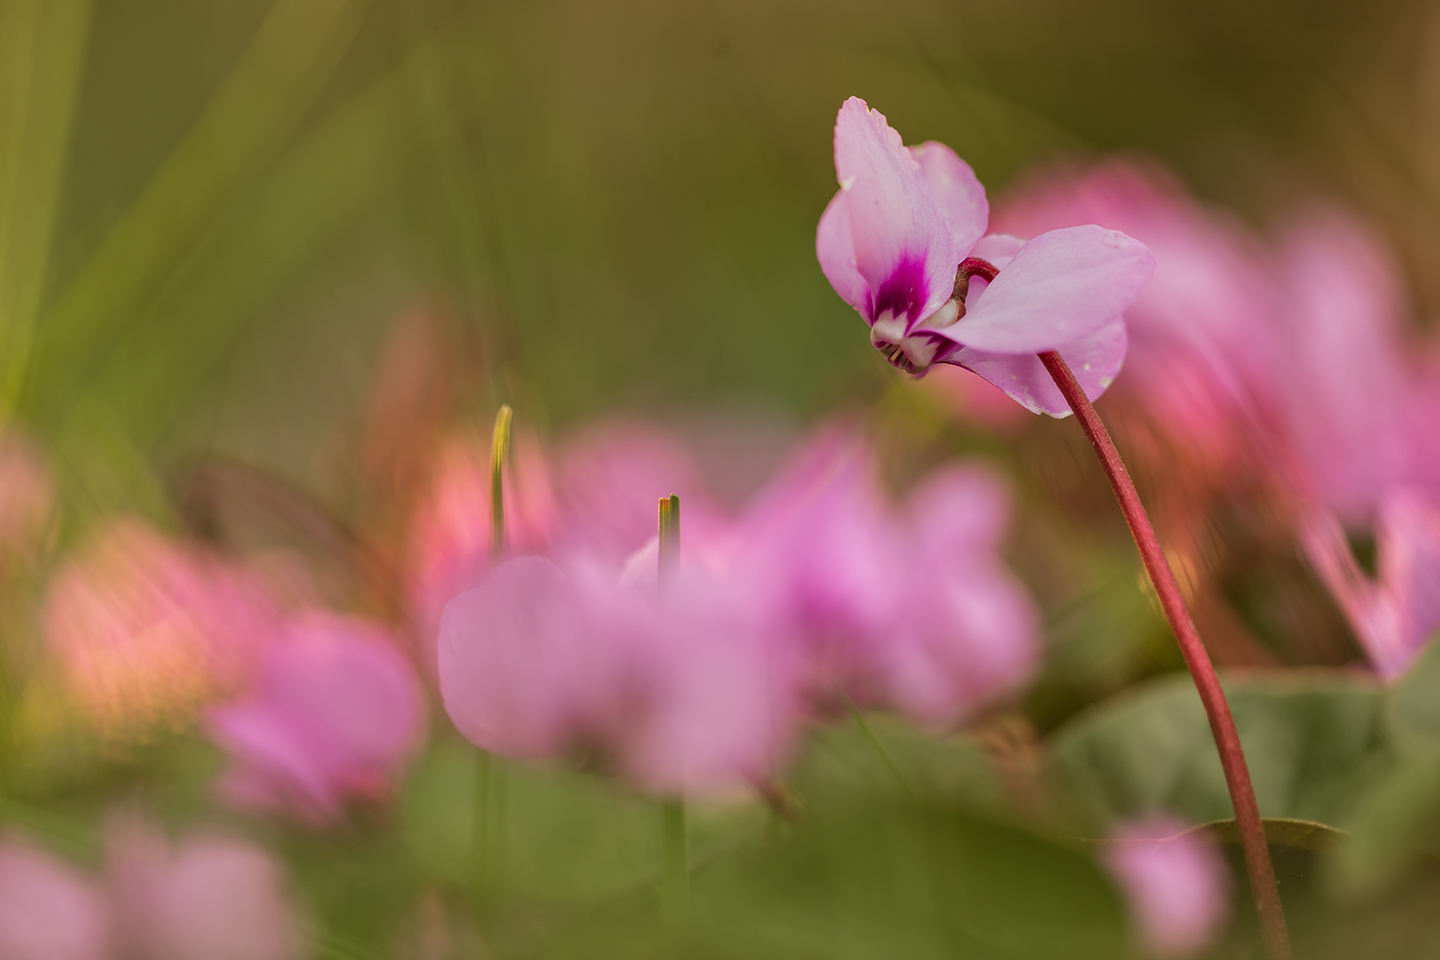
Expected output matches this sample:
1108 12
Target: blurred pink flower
48 910
450 536
678 691
1203 331
891 243
909 609
1394 617
211 897
148 630
335 713
27 496
609 478
1175 882
1355 420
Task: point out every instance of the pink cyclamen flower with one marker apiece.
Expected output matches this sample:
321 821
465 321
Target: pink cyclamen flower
1350 385
48 909
1395 616
679 692
210 896
148 630
895 243
27 496
1175 883
336 712
450 539
909 609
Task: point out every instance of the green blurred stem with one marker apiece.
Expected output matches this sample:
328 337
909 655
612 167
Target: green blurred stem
489 774
499 456
1222 725
668 559
675 856
674 834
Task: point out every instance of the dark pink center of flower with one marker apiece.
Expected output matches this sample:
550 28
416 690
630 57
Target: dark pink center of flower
903 294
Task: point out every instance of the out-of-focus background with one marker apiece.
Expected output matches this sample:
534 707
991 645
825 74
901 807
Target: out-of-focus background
262 260
216 213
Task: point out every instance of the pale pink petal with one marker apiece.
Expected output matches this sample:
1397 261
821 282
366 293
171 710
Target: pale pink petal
1060 287
965 632
1368 607
609 478
510 659
902 240
963 509
1176 883
1346 375
336 713
48 910
712 707
214 897
960 195
997 249
1409 565
1095 360
835 248
967 636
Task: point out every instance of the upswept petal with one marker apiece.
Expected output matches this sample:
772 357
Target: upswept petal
901 237
835 246
1061 287
960 195
1096 361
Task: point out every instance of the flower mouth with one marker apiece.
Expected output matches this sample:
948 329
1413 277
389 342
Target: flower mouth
916 349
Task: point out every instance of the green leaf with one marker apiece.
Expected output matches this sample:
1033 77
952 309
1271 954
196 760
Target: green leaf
893 879
566 835
1311 739
1398 817
243 129
42 46
843 764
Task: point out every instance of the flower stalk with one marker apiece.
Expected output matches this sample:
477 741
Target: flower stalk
1258 867
674 829
489 777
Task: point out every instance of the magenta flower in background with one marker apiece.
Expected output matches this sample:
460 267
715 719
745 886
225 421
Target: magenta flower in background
450 538
48 909
609 477
1355 420
678 692
335 713
147 630
1203 350
211 896
908 609
1175 883
1395 616
215 898
892 243
27 496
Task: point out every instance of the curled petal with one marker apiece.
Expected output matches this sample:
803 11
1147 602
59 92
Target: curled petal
959 194
1095 360
1061 287
902 242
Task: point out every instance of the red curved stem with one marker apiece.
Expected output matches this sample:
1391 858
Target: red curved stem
1222 725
